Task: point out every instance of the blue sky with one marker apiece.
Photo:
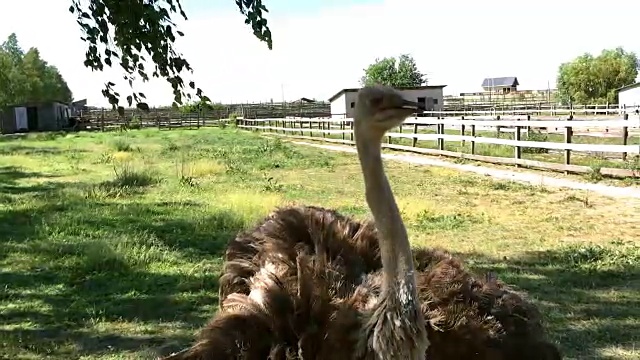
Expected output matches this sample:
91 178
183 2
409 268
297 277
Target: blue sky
321 46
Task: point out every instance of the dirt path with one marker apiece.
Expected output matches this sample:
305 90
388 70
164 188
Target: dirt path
523 177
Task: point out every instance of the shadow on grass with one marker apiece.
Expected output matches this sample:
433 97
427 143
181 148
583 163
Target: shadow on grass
38 136
46 342
93 278
15 149
10 177
160 305
590 296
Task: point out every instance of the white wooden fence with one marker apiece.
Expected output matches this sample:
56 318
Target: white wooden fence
341 131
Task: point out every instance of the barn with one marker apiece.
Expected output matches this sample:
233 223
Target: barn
629 97
343 102
48 116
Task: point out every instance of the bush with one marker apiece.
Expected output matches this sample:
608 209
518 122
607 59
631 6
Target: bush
128 176
121 144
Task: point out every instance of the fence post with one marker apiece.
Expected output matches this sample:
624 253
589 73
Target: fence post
414 142
462 142
440 140
625 136
342 128
351 133
473 143
568 134
518 149
102 120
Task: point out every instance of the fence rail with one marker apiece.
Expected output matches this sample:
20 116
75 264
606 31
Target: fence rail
341 131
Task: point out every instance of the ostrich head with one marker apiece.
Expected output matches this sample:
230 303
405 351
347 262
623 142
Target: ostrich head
383 108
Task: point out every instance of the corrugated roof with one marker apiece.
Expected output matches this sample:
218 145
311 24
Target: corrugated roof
506 81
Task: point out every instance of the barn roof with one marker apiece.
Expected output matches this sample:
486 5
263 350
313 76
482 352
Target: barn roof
36 103
336 95
628 87
507 81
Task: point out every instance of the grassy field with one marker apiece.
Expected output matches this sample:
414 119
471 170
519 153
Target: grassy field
111 242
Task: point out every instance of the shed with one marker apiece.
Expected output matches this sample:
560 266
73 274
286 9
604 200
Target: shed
45 116
344 101
503 85
629 97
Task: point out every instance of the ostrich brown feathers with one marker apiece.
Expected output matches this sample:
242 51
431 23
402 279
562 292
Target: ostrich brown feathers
297 285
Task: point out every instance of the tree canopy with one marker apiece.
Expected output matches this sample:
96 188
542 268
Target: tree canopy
592 79
402 72
26 77
132 32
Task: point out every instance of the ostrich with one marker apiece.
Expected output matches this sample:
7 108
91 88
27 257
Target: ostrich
382 314
310 283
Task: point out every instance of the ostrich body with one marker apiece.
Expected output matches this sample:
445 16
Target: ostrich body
309 283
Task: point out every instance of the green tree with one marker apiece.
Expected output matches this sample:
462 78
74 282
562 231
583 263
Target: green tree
402 72
53 83
132 32
12 47
44 81
592 79
26 77
13 84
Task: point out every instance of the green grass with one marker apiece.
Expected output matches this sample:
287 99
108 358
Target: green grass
113 252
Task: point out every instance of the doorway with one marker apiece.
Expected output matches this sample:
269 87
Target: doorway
32 118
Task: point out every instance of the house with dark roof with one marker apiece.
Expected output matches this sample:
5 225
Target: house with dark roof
501 85
344 101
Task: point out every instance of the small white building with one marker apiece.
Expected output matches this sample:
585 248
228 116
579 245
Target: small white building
629 97
344 101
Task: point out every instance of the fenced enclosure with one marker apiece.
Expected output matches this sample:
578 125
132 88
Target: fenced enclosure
460 103
608 146
105 120
167 118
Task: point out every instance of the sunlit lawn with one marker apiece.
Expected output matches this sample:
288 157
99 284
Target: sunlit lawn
111 242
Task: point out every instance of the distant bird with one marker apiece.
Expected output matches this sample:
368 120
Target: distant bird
310 283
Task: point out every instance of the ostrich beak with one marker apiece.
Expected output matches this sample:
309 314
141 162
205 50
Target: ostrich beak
407 104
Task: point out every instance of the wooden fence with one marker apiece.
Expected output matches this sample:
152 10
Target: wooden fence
105 120
341 131
248 110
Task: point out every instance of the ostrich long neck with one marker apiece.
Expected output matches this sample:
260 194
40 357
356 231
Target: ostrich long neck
395 250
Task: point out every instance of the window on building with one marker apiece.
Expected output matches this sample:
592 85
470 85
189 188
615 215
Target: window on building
435 101
353 104
422 100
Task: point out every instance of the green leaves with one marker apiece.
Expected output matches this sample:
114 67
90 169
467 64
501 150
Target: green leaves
387 71
134 32
594 80
26 77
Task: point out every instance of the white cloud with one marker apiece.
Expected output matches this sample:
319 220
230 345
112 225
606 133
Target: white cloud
458 43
